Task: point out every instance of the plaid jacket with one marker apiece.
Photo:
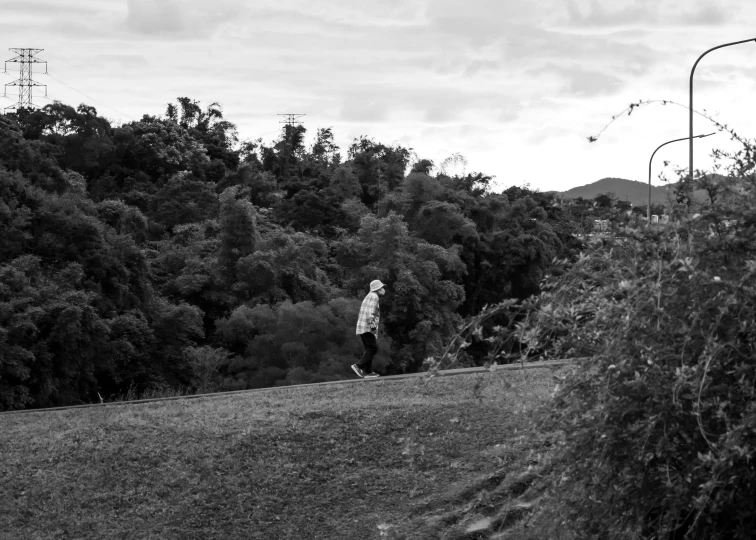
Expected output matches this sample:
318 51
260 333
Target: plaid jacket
370 315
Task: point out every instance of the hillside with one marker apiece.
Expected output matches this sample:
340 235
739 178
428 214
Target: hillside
626 190
630 190
349 461
186 260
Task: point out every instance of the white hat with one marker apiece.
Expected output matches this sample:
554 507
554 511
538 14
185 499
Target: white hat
375 285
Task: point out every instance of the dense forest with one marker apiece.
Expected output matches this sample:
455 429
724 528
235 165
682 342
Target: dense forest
165 253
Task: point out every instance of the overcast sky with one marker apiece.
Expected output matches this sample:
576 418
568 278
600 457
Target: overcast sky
514 86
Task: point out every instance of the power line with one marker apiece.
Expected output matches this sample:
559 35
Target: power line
60 58
89 97
27 58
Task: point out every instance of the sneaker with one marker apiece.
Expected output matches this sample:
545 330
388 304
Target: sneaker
358 371
371 375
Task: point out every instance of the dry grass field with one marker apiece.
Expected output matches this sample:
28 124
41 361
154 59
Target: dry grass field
374 459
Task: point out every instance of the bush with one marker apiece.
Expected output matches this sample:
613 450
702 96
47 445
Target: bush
300 375
205 362
658 421
264 377
291 335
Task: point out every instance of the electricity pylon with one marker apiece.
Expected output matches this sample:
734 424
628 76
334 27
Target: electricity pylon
291 118
27 58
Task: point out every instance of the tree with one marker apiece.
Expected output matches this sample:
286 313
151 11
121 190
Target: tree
238 232
123 218
176 327
184 199
312 210
205 363
422 294
344 183
217 135
52 337
317 342
260 187
285 157
83 138
185 269
423 166
160 149
506 240
379 168
325 152
286 265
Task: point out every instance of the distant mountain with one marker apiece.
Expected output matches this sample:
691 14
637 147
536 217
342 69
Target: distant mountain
626 190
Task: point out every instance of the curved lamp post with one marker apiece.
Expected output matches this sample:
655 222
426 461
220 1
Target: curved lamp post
648 213
690 108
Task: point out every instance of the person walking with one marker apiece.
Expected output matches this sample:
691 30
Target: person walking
367 329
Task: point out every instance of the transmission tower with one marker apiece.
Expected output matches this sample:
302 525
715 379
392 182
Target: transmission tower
289 133
27 58
291 119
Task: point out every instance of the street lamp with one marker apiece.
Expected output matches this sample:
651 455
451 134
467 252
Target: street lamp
690 108
648 213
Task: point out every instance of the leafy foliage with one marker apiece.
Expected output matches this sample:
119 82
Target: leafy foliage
176 232
421 297
657 421
316 340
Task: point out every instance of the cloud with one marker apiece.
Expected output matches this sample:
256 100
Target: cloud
483 22
47 21
42 7
186 19
645 13
706 15
437 114
421 102
577 81
121 60
585 83
348 12
612 55
482 67
154 18
430 68
597 15
369 110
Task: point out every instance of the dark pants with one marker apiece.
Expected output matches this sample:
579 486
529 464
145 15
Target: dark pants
371 348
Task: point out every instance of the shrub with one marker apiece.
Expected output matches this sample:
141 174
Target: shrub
205 362
658 421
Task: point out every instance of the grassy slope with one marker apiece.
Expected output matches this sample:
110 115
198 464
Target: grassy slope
319 462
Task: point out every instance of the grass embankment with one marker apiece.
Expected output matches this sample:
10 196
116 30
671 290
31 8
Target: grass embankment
376 459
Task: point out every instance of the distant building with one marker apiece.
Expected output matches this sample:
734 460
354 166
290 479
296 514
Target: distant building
600 224
656 218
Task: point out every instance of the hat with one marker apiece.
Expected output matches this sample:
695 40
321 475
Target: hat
375 285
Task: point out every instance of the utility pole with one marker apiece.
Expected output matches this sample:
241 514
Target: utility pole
27 58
